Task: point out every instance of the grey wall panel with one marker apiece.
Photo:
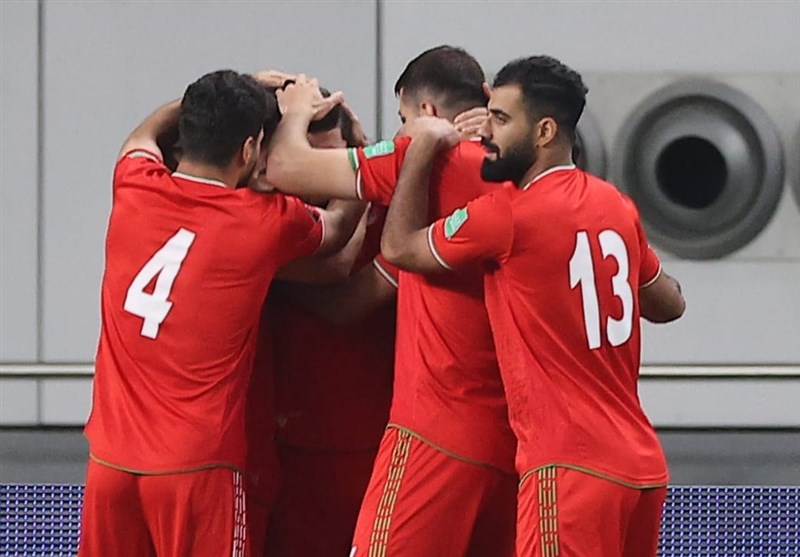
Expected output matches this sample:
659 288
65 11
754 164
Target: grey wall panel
597 36
108 64
736 313
18 181
19 402
727 403
65 401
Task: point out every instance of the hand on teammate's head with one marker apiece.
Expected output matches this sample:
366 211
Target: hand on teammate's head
304 96
440 131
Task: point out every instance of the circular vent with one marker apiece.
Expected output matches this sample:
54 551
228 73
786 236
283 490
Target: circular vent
703 162
590 152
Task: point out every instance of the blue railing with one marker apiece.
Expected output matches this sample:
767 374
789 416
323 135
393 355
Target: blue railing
44 521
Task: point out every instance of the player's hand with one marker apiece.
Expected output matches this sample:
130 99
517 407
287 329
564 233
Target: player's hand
304 97
299 97
274 78
439 132
469 122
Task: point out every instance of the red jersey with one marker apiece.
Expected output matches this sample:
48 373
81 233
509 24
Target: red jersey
447 386
565 257
333 385
188 264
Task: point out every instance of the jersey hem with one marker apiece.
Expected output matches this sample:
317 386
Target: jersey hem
451 454
139 152
595 473
384 273
652 280
198 468
436 255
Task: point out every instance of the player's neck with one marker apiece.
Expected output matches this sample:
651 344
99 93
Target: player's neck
543 164
208 172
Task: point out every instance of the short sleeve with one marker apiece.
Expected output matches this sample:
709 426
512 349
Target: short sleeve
137 165
649 265
387 270
377 167
302 229
480 233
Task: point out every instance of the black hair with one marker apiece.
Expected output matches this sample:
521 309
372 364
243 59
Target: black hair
219 112
549 88
447 71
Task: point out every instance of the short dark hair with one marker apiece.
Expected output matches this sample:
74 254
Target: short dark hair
447 71
273 113
219 112
549 88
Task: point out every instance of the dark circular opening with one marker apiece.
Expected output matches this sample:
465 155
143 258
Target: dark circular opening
692 172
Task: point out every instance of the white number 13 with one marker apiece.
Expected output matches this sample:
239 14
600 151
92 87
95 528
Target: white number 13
165 263
581 271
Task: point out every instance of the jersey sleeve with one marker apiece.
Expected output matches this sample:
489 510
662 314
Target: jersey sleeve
388 271
649 265
377 167
137 165
302 229
480 233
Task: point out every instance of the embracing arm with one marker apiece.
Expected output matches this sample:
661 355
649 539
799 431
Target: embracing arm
405 236
146 136
294 166
349 301
662 300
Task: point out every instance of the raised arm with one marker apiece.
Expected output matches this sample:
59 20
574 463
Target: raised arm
160 124
405 236
349 301
327 268
294 166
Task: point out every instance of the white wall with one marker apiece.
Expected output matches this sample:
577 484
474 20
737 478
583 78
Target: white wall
19 188
105 65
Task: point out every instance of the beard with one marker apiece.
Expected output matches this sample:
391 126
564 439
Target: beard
509 167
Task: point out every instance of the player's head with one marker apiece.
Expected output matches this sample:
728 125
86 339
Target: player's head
222 122
442 81
534 110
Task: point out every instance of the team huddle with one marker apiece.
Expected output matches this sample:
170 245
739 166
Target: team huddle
426 346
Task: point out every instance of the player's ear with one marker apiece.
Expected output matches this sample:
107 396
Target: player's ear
428 109
547 130
249 151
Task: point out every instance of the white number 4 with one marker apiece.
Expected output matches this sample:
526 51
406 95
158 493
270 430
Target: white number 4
165 263
581 271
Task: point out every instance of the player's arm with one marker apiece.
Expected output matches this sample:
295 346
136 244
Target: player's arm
349 301
660 296
340 220
155 128
404 242
294 166
661 301
326 269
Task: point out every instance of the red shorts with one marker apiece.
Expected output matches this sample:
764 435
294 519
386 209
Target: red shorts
422 502
566 512
258 522
196 514
318 502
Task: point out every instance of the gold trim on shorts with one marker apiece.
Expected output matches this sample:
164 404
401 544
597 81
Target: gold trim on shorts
383 517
